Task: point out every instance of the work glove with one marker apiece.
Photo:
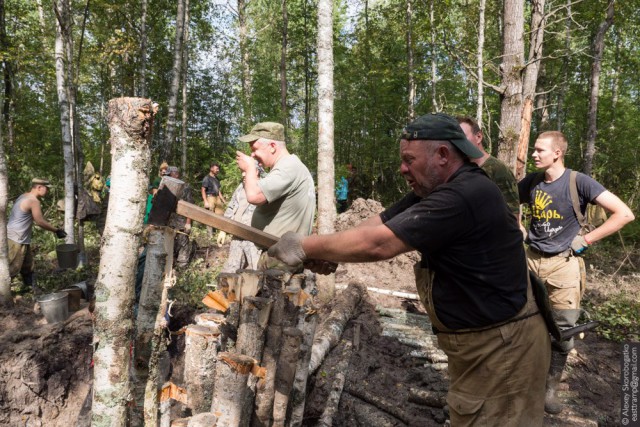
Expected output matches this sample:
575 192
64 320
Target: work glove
222 236
289 249
60 233
187 228
579 245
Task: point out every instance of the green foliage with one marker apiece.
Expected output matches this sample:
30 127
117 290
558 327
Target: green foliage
192 283
619 317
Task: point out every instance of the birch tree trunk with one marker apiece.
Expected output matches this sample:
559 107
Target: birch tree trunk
326 171
5 277
8 105
283 68
130 123
142 84
594 86
432 21
511 70
185 66
61 10
244 64
170 131
565 68
529 83
411 84
481 7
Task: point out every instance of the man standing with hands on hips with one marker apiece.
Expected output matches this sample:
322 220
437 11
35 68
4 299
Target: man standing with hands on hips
472 278
556 239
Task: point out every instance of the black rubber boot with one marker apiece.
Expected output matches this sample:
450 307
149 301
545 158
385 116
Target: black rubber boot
552 404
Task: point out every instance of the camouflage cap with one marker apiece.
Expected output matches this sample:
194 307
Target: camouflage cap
440 127
40 181
268 130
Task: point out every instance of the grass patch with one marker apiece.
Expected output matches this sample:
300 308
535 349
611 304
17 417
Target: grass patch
619 317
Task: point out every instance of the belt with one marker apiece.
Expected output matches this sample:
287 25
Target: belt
563 254
486 328
211 194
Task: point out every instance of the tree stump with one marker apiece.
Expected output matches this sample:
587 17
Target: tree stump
231 390
199 366
254 317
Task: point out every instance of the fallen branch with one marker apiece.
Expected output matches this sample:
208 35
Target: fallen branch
429 398
329 333
340 374
399 294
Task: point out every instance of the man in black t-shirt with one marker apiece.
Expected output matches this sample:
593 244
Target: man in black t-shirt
554 239
472 278
212 193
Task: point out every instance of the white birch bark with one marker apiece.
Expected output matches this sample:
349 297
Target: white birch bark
185 67
5 277
434 64
480 72
130 124
61 10
411 84
170 131
142 84
326 171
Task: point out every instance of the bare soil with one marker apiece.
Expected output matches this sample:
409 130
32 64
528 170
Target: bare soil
46 370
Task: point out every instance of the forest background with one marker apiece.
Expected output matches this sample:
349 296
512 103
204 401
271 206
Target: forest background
217 67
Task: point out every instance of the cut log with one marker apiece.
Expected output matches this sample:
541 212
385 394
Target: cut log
434 399
231 391
273 284
285 374
329 333
307 321
340 375
150 321
388 407
199 366
212 320
254 318
249 284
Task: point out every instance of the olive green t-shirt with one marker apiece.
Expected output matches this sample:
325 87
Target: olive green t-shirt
291 199
499 173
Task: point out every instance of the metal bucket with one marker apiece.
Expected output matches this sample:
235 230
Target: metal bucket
67 255
55 307
75 294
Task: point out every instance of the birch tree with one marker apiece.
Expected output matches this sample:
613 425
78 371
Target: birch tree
480 56
594 87
63 30
326 172
411 84
142 85
5 277
130 124
185 68
283 68
174 89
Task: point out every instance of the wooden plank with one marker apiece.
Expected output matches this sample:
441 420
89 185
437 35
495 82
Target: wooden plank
227 225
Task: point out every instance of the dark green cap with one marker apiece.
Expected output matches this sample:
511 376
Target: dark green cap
267 130
440 127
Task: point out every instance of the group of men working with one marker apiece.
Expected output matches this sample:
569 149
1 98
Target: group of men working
462 215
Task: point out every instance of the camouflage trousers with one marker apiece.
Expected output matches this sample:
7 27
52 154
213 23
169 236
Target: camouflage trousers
242 255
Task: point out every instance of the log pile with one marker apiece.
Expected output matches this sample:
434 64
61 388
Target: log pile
247 360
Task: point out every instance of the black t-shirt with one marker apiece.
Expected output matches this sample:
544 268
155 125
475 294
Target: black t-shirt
553 221
469 238
211 185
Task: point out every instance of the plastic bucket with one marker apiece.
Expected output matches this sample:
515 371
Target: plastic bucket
67 255
75 294
55 307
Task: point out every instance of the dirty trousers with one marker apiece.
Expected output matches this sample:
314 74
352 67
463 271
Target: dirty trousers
497 376
20 258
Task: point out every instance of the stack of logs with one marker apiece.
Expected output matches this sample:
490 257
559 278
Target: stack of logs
247 362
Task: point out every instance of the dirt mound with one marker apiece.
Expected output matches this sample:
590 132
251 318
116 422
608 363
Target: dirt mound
395 274
45 369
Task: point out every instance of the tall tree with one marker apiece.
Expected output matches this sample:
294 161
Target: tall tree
283 68
326 171
142 85
411 84
5 276
529 83
594 87
174 89
7 65
564 84
185 73
511 76
63 36
481 8
244 64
